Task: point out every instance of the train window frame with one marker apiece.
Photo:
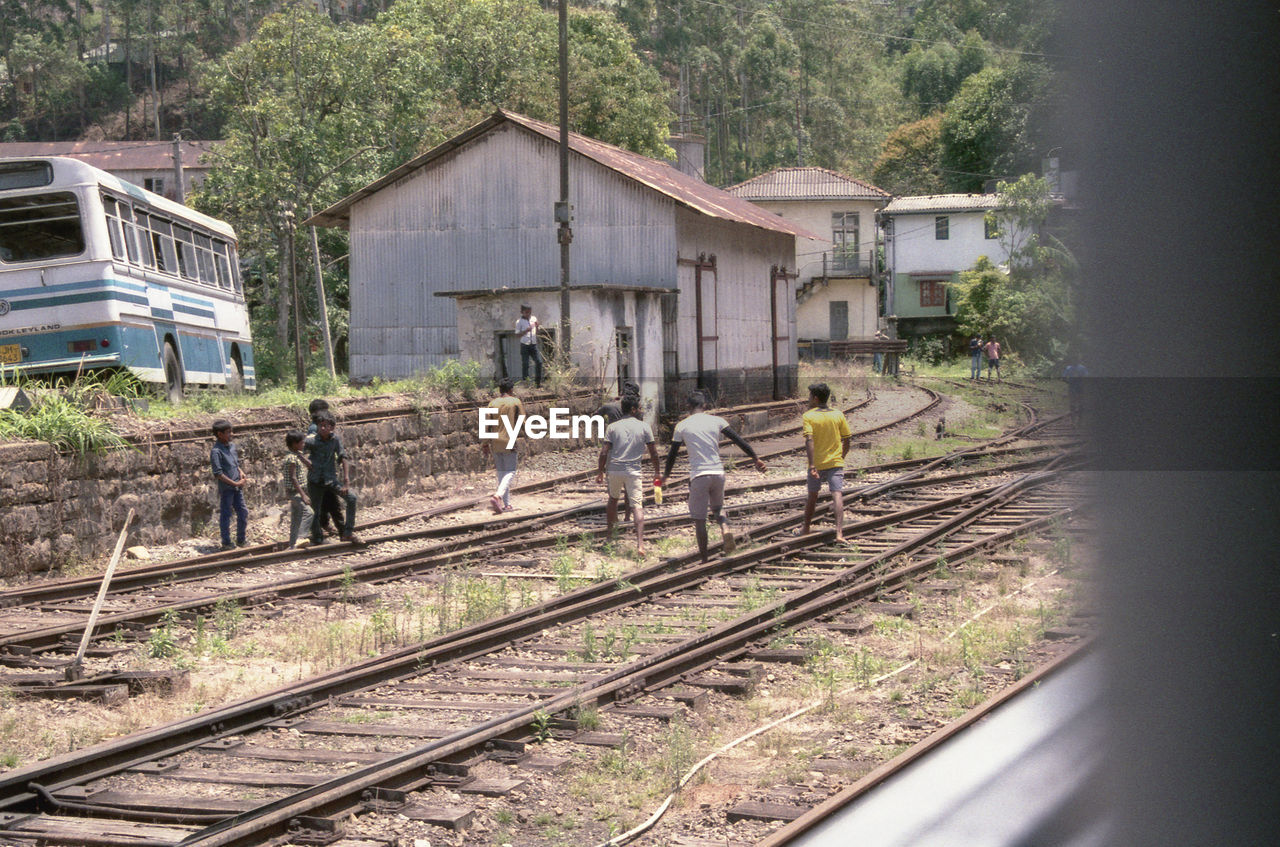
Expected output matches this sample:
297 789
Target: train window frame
12 175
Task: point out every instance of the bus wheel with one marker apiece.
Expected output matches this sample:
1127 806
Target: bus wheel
172 375
235 382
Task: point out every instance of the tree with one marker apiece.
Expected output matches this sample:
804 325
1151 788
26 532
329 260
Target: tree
315 110
1030 306
911 159
987 131
932 75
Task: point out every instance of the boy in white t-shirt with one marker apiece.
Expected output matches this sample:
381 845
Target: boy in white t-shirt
700 432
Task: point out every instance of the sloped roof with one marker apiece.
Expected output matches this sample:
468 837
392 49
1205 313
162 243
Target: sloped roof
943 203
115 155
808 183
686 190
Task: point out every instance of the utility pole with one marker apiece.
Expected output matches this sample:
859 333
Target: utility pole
179 192
291 228
324 307
564 213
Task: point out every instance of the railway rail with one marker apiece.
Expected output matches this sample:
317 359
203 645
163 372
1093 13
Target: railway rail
154 788
25 629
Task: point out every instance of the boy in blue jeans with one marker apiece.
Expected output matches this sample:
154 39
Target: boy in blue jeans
225 463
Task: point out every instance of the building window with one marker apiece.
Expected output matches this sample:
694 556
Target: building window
990 227
932 293
154 184
942 228
844 238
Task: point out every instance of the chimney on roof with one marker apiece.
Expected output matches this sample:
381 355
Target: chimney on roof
691 155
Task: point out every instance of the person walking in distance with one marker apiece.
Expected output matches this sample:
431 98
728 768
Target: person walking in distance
527 327
975 357
225 463
622 455
993 358
504 460
826 443
700 432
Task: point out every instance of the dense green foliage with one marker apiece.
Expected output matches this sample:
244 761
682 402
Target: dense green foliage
1030 305
918 97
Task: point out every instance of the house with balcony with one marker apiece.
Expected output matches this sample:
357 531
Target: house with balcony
928 241
837 287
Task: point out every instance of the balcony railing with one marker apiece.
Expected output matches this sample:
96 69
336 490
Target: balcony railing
839 263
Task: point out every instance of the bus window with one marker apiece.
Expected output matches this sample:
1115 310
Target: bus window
25 175
223 266
235 267
40 226
204 259
114 232
130 232
144 240
162 244
186 252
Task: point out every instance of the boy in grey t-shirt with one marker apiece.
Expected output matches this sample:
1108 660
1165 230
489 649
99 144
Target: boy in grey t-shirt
625 443
700 432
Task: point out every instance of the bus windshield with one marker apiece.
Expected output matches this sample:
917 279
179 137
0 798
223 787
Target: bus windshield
40 226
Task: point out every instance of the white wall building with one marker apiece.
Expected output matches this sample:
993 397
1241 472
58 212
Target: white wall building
837 290
929 240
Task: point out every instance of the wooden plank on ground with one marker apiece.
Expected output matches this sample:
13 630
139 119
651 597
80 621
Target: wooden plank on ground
249 778
449 817
287 754
96 832
152 802
491 787
755 811
441 705
375 729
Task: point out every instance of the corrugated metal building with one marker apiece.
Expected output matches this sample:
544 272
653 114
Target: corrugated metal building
473 217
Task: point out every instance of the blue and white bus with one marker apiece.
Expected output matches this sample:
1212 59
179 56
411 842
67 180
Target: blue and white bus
98 273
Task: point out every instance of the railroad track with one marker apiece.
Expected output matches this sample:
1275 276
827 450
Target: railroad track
168 588
31 640
305 757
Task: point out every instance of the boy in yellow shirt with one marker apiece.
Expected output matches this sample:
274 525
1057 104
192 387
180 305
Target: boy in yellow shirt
826 443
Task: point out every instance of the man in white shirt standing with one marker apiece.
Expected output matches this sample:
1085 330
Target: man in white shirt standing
700 432
527 327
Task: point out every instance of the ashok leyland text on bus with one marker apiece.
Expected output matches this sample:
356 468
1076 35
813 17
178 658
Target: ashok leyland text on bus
95 272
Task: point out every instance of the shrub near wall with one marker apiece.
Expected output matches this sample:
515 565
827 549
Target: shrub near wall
57 508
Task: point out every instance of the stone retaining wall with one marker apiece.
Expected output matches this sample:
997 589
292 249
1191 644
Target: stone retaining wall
57 509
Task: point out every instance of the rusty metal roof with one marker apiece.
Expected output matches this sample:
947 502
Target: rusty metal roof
686 190
808 183
115 155
943 203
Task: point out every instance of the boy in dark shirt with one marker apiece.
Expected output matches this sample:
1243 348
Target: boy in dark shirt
327 479
225 463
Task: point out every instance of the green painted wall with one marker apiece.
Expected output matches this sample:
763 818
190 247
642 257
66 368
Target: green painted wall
906 298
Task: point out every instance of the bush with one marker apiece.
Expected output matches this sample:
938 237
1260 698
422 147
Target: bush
930 349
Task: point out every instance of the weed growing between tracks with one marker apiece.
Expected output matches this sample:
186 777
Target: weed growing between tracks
969 630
